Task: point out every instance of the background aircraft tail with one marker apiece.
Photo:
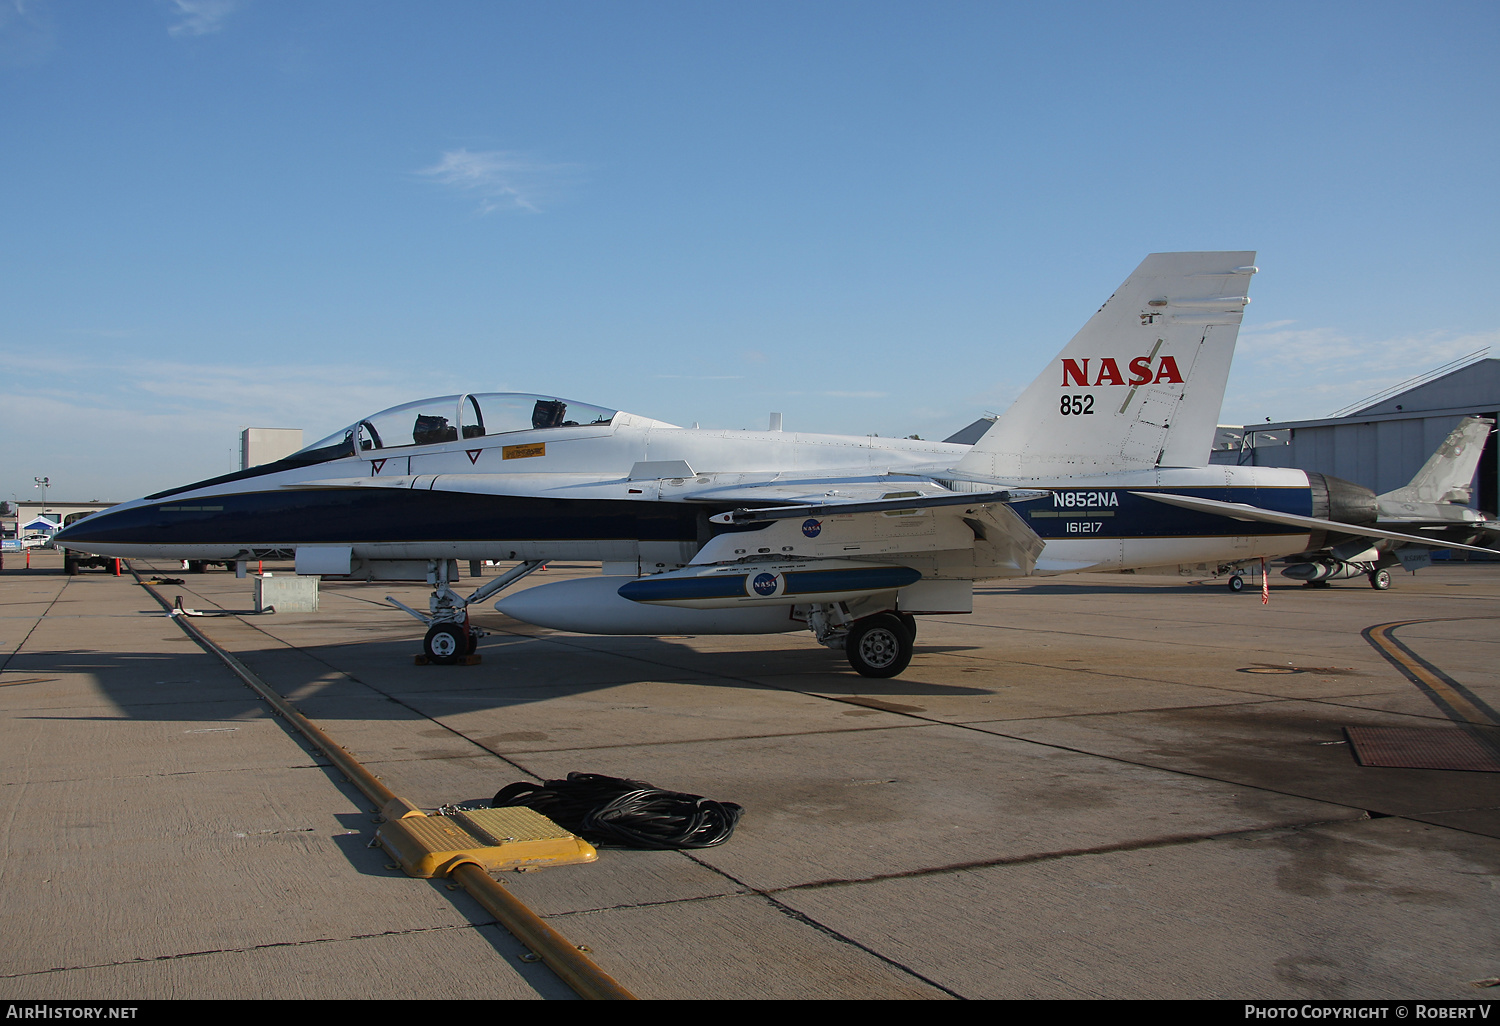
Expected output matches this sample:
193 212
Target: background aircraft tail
1139 387
1448 473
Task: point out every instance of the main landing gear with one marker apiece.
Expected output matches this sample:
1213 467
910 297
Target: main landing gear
879 645
450 636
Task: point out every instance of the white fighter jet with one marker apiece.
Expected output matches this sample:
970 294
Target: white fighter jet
1100 465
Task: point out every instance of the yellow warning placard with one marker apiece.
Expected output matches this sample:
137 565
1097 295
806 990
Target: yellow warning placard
521 452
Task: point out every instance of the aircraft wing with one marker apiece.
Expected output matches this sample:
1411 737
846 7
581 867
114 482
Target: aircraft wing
898 527
1240 511
885 505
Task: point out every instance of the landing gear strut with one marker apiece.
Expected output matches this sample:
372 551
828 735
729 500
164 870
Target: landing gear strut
450 635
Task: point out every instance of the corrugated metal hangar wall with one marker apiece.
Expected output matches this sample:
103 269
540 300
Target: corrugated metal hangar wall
1384 444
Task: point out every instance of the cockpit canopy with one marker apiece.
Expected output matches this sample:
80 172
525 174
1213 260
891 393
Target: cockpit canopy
475 415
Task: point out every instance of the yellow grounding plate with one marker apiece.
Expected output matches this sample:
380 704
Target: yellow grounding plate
495 839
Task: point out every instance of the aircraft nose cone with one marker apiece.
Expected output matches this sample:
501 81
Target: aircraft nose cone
96 527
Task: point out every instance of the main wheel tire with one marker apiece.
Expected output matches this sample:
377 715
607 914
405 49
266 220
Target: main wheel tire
1236 583
445 643
879 646
1380 580
911 624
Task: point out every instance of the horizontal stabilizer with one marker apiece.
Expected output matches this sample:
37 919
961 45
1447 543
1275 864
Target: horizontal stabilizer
1240 511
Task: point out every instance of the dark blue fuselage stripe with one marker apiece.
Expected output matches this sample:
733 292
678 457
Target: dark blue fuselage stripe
1118 514
290 517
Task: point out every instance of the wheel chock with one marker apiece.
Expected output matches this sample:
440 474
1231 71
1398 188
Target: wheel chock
468 660
494 839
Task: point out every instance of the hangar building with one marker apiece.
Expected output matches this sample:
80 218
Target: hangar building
1386 441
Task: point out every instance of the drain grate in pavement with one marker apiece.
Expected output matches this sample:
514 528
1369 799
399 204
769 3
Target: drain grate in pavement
1452 748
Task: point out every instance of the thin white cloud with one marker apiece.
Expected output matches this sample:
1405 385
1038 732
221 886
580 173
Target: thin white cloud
200 17
28 33
833 394
124 427
1285 372
501 180
700 377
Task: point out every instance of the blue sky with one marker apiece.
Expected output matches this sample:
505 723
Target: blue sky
872 217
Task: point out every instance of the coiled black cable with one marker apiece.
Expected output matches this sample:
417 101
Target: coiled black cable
626 813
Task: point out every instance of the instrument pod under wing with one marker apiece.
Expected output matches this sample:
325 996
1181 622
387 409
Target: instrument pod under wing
779 583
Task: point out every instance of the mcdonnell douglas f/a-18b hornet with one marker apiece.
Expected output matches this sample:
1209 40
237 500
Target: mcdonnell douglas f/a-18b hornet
1099 465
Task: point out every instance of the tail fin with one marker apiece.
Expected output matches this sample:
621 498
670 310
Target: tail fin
1448 473
1139 387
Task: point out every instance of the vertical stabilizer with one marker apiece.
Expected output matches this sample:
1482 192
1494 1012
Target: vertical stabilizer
1140 386
1448 473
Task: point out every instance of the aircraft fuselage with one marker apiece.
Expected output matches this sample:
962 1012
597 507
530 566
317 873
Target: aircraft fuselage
569 493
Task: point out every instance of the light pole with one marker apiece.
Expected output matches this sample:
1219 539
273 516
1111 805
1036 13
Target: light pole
42 483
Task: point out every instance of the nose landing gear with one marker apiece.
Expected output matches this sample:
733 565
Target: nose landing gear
451 638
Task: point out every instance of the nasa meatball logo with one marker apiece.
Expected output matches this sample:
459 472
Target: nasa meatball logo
812 528
765 585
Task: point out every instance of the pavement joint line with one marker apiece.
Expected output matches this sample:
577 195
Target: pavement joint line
156 776
338 675
1114 675
729 737
1369 813
565 959
798 916
1174 770
35 624
344 675
243 950
570 642
793 913
1278 628
1169 841
1260 700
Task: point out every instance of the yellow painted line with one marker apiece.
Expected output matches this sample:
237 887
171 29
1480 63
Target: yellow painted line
564 958
1438 684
